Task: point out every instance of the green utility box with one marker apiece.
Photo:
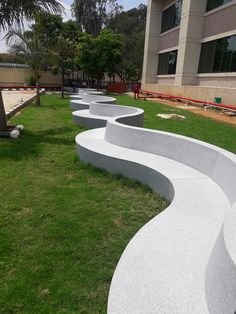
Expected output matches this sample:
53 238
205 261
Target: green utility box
218 100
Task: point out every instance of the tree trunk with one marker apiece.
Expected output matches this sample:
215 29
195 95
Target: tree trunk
62 83
3 118
38 103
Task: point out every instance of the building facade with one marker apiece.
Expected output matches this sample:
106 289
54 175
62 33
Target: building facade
190 49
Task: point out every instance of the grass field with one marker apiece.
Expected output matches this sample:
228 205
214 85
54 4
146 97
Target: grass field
195 126
64 225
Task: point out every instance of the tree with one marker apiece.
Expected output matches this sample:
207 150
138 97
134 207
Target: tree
100 54
109 49
32 49
62 57
93 15
87 58
14 11
71 31
48 27
129 22
132 25
131 73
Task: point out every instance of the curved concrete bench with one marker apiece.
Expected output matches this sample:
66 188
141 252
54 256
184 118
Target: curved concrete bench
88 92
98 114
85 90
91 92
184 260
86 100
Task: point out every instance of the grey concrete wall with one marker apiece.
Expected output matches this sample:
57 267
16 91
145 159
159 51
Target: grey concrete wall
189 41
196 92
220 21
169 39
221 81
165 80
152 41
167 3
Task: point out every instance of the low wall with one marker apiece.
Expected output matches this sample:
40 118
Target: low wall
14 76
17 76
205 93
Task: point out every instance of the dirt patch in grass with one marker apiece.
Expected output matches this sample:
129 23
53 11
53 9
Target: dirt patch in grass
213 114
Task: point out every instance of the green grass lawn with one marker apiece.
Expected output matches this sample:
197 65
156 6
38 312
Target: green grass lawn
196 126
64 225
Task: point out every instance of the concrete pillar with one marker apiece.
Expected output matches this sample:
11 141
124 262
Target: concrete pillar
153 30
191 28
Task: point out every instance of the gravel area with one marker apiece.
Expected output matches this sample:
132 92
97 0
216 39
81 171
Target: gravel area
13 98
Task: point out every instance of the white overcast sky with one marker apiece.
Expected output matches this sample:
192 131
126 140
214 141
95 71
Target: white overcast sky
127 4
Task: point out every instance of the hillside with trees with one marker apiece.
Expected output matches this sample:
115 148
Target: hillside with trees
94 15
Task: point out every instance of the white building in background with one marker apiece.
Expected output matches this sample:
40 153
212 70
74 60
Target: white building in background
190 49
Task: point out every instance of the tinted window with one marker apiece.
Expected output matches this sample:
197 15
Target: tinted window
172 16
218 56
212 4
167 62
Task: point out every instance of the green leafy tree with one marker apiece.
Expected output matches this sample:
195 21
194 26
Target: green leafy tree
93 15
48 27
32 49
14 11
71 31
87 58
62 58
109 46
59 40
132 25
100 54
131 73
129 22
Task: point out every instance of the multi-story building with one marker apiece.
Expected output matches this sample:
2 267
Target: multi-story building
190 49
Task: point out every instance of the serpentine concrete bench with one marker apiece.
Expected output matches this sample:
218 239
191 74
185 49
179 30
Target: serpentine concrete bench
184 260
82 93
98 114
85 90
84 103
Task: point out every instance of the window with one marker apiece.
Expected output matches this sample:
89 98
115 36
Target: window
218 56
171 17
212 4
167 62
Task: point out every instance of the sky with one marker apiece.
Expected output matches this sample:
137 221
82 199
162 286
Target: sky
127 4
